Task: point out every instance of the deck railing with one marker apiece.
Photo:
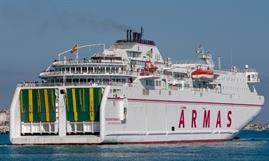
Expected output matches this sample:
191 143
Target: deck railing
39 128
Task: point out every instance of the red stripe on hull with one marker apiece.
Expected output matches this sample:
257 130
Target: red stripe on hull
190 102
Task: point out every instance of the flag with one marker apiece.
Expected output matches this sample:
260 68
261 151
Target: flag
74 49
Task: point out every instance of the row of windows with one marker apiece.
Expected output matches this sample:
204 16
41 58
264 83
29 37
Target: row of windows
233 79
89 80
139 63
146 92
153 83
134 54
89 69
235 88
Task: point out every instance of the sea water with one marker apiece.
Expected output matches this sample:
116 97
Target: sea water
251 145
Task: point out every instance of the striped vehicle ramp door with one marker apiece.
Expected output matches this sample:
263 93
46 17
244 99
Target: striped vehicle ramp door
83 110
38 111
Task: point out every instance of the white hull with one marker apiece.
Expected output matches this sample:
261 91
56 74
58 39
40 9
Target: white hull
150 120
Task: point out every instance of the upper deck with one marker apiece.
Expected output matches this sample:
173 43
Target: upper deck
126 61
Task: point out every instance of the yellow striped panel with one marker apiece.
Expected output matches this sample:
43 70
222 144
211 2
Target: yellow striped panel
47 105
91 105
38 101
74 104
30 99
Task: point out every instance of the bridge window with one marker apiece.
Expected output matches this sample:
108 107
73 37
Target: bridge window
150 83
133 54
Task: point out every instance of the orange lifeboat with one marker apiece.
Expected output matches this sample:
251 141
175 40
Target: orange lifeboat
202 74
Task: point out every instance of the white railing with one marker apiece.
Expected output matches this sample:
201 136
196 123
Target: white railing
51 85
86 62
82 127
60 73
39 128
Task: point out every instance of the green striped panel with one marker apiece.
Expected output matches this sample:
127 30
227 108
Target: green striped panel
52 108
69 105
82 104
97 102
38 101
24 104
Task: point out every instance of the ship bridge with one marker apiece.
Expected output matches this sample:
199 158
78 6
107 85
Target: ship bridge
138 51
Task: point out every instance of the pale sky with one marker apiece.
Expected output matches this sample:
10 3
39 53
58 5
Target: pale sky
33 32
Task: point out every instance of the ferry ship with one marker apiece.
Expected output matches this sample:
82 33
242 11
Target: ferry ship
128 93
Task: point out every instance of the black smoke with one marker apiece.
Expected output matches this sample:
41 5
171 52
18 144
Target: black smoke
44 15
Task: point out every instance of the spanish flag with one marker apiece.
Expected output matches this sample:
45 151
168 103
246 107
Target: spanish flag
74 49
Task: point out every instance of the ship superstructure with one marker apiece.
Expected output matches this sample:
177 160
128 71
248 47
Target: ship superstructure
128 93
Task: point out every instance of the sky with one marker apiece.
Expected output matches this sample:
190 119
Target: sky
32 32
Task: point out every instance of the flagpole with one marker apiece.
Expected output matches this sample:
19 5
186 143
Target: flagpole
77 52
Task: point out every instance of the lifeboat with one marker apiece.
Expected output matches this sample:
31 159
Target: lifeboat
149 67
202 74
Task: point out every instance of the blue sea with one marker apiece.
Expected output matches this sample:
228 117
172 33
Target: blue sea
251 145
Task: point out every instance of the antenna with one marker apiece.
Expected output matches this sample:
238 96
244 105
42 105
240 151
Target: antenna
141 32
130 37
219 62
127 35
231 57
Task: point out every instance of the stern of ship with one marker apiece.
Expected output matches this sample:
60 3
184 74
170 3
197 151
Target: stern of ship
58 115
